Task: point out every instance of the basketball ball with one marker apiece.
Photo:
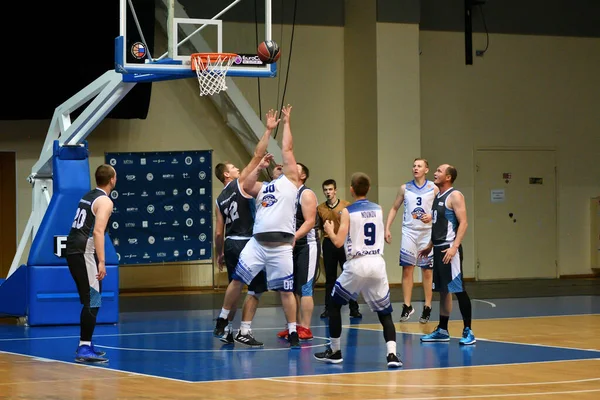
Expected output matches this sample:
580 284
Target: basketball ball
268 51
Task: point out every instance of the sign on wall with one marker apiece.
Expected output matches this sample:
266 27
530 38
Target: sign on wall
162 206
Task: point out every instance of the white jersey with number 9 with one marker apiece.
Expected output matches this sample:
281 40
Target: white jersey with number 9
366 232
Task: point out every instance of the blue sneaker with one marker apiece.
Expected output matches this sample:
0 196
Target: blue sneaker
99 353
467 338
438 335
86 354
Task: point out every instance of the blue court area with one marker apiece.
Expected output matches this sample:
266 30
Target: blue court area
179 344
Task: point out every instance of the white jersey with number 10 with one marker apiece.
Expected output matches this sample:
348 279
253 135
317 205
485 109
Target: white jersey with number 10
366 232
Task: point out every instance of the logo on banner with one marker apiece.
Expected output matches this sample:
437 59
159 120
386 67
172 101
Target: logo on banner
151 224
60 246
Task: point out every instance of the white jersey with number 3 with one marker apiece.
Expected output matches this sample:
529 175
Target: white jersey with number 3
366 232
417 201
276 207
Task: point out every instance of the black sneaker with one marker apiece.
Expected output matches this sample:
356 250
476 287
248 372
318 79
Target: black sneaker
355 314
248 339
220 327
325 314
227 337
294 340
407 311
329 357
393 361
425 315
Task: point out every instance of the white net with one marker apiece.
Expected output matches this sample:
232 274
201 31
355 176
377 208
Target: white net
211 70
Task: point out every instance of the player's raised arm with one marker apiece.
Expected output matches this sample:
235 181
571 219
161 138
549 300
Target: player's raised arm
261 148
287 148
251 185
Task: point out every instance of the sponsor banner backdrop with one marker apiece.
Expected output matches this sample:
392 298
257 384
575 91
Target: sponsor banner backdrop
162 206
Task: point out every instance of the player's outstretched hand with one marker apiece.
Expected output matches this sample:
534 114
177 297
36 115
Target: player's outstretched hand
272 119
286 111
266 161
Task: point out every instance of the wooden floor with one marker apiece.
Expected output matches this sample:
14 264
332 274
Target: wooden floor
28 377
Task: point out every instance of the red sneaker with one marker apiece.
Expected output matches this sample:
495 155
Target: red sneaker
283 334
304 333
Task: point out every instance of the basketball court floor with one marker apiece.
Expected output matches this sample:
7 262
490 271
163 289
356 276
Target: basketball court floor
540 347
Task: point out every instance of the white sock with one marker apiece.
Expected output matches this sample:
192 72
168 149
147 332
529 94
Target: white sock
335 344
245 327
291 327
224 313
391 347
82 343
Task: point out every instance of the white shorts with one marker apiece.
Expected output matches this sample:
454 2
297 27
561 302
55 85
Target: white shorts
365 275
276 261
412 242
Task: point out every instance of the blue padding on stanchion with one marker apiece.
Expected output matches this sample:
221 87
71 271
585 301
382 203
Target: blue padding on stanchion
51 289
71 180
13 296
53 297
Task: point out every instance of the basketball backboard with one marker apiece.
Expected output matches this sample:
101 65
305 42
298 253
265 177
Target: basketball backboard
157 37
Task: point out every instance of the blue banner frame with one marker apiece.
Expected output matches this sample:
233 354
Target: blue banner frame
163 206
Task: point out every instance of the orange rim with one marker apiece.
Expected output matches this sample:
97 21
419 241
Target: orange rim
213 56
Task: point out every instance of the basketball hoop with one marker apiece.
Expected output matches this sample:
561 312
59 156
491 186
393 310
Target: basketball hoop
211 69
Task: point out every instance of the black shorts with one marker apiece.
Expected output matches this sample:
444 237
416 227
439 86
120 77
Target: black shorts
232 250
83 268
447 277
306 262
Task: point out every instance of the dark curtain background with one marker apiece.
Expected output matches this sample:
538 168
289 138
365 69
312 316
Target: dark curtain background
54 49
